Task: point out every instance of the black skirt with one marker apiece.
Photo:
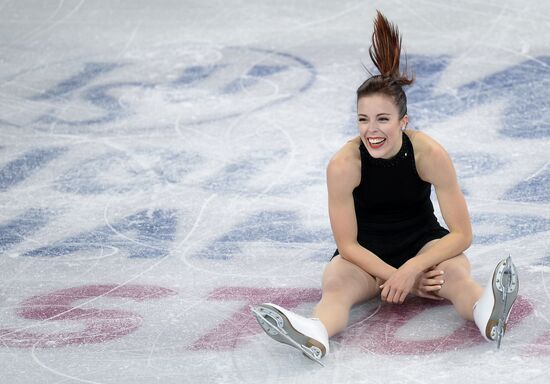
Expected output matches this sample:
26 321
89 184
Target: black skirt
401 243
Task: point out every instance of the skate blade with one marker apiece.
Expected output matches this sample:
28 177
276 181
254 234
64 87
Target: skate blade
281 330
505 291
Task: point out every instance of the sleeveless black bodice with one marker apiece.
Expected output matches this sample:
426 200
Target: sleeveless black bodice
395 216
391 192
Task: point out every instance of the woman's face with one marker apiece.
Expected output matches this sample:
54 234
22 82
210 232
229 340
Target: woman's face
380 126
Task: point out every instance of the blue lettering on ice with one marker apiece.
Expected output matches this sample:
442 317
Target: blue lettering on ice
252 76
428 69
90 73
526 114
196 73
475 164
535 189
236 176
162 167
9 124
281 227
84 178
24 166
266 70
306 64
111 110
19 228
99 96
143 235
506 227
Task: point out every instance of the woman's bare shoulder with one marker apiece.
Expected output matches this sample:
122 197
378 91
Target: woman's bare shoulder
424 144
345 165
348 154
430 156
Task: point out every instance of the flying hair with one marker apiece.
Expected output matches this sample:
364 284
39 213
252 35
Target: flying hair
385 51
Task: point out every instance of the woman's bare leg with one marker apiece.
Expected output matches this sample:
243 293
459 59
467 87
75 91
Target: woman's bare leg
459 287
344 284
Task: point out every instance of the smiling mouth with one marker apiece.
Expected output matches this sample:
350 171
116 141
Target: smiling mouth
375 142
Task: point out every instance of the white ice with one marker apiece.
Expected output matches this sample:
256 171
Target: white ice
162 166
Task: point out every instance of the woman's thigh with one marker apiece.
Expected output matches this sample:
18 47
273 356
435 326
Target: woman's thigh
456 273
348 281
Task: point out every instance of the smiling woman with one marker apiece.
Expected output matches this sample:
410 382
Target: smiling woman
378 110
389 241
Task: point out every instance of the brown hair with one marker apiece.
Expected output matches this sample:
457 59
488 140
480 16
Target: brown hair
385 53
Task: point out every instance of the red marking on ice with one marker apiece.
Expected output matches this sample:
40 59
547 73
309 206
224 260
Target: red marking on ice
242 324
100 325
379 334
540 347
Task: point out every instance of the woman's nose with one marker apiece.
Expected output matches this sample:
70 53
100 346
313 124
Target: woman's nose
372 127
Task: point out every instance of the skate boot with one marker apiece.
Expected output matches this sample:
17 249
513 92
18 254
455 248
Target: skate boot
308 335
492 310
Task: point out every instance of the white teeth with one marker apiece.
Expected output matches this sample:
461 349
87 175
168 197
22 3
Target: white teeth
376 140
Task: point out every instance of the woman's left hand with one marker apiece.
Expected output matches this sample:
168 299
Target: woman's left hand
400 283
429 283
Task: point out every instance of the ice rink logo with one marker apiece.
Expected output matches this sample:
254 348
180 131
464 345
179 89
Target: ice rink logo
379 336
164 86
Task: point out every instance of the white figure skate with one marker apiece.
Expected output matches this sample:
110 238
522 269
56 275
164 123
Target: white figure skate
492 310
308 335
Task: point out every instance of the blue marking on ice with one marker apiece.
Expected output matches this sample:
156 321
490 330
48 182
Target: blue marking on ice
92 87
143 235
196 73
526 112
91 72
252 76
18 170
266 70
17 229
99 97
235 176
90 176
283 227
534 189
473 164
239 85
507 227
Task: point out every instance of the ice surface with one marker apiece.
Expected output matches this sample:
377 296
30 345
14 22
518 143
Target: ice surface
162 166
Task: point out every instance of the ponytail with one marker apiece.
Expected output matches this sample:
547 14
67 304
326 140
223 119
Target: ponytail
385 53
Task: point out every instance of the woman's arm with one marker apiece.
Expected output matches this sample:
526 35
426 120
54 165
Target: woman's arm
343 175
436 167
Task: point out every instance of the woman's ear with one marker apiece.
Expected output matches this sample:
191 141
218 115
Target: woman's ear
404 122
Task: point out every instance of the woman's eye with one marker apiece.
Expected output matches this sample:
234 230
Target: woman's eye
384 119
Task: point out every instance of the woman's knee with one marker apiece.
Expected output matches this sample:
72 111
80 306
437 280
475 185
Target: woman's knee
347 280
455 269
335 284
